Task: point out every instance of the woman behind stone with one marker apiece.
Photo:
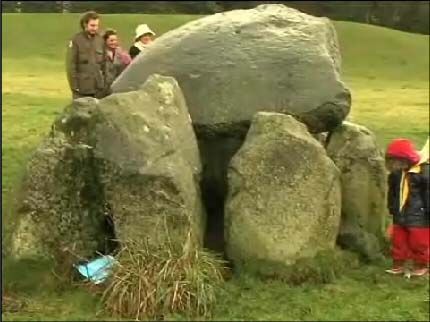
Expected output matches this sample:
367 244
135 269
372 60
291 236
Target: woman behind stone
144 36
116 58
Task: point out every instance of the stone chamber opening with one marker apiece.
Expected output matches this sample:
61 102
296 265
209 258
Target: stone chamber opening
92 198
216 151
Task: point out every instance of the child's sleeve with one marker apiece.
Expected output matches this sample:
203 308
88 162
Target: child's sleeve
391 195
425 187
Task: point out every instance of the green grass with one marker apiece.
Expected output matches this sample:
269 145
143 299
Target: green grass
363 294
388 73
383 55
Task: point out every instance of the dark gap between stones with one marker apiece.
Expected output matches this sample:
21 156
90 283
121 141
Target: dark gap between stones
93 198
217 145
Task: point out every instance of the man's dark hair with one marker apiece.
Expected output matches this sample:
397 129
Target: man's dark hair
86 17
109 33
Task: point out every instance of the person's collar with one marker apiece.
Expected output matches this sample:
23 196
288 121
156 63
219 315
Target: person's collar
110 53
141 46
415 169
88 35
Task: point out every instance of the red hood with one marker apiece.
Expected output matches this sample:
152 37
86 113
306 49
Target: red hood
403 148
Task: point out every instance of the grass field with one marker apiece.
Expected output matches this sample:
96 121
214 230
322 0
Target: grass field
388 73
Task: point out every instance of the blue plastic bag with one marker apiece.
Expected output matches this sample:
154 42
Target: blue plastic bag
97 270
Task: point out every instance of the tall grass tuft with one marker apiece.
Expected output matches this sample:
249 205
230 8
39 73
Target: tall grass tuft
151 282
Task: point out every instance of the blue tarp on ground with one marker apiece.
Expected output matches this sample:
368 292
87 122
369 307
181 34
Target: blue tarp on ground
97 270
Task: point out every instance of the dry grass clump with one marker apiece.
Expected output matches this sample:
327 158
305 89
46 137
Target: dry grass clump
150 282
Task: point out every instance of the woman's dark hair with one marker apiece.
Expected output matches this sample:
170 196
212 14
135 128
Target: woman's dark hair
86 17
109 33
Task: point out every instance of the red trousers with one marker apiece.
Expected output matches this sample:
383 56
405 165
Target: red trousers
411 243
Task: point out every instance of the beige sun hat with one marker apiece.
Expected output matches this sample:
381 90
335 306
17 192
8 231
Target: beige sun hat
142 30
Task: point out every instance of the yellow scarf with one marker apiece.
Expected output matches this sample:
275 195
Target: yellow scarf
424 153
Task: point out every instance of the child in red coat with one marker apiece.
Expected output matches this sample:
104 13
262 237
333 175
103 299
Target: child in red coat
408 203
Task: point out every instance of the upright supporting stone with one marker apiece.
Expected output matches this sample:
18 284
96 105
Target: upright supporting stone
354 150
284 194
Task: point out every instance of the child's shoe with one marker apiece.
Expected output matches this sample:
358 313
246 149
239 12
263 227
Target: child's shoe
395 270
423 271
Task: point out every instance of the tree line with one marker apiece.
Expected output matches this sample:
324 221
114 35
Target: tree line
411 16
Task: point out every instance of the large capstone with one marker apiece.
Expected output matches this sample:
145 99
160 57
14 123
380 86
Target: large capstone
231 65
124 167
354 150
284 194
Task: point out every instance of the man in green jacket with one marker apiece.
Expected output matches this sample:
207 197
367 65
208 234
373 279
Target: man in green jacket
86 59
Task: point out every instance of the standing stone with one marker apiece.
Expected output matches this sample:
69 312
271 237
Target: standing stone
58 208
149 163
231 65
354 150
284 194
